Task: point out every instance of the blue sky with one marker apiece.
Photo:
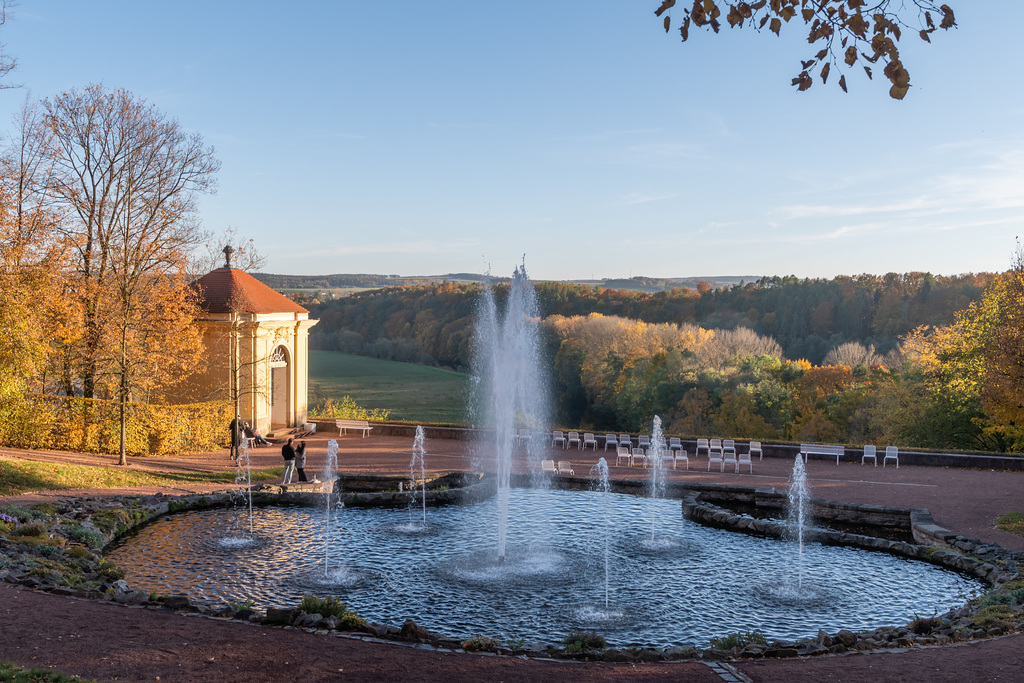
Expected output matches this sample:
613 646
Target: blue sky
426 138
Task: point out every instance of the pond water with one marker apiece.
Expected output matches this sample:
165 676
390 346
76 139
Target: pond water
655 580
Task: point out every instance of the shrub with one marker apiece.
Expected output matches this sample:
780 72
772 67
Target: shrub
580 641
30 529
994 616
1013 597
925 626
40 541
116 519
1013 522
91 425
480 644
331 606
89 537
15 510
739 639
110 571
346 409
78 552
995 599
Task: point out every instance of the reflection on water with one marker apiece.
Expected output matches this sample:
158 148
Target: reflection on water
696 584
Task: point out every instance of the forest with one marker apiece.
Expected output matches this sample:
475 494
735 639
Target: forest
808 317
906 359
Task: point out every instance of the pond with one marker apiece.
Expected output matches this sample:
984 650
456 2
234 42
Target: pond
632 569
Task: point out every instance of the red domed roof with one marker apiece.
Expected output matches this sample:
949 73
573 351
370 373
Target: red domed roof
227 290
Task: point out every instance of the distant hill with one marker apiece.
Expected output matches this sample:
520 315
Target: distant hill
342 283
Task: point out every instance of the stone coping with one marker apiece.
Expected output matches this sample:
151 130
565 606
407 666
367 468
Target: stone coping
936 545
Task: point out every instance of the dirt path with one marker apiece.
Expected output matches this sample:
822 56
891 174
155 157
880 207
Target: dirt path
111 642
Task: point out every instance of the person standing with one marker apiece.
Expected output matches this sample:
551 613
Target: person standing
300 461
236 437
288 453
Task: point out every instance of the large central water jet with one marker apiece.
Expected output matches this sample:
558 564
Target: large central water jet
510 395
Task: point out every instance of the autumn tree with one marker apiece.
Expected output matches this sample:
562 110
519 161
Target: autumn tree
244 254
853 354
850 32
150 337
33 271
7 63
1002 394
126 178
121 170
951 362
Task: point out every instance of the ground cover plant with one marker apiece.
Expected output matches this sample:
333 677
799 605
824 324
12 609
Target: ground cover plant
330 606
12 673
409 392
21 476
1012 522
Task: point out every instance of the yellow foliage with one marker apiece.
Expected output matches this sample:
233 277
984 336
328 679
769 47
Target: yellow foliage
92 425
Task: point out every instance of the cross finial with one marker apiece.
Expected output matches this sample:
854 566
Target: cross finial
227 256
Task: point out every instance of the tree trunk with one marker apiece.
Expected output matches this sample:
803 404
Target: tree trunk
123 395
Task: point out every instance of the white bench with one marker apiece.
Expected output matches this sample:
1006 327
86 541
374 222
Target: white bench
360 425
821 449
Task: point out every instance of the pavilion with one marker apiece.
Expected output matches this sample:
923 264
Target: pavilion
257 344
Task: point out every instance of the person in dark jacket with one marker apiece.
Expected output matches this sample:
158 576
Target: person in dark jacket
300 461
288 453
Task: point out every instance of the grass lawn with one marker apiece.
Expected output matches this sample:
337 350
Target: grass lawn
21 476
415 393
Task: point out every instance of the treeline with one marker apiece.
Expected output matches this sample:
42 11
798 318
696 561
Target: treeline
615 374
430 325
954 386
367 280
808 318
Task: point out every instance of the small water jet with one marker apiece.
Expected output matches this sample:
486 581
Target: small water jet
418 453
243 475
329 476
655 462
600 470
797 517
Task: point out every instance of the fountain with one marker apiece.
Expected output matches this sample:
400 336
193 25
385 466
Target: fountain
600 471
509 387
329 479
243 475
418 453
655 461
797 517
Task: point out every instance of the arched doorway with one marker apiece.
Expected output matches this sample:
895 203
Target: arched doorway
279 388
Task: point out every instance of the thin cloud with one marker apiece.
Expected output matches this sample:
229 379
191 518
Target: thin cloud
640 198
401 247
